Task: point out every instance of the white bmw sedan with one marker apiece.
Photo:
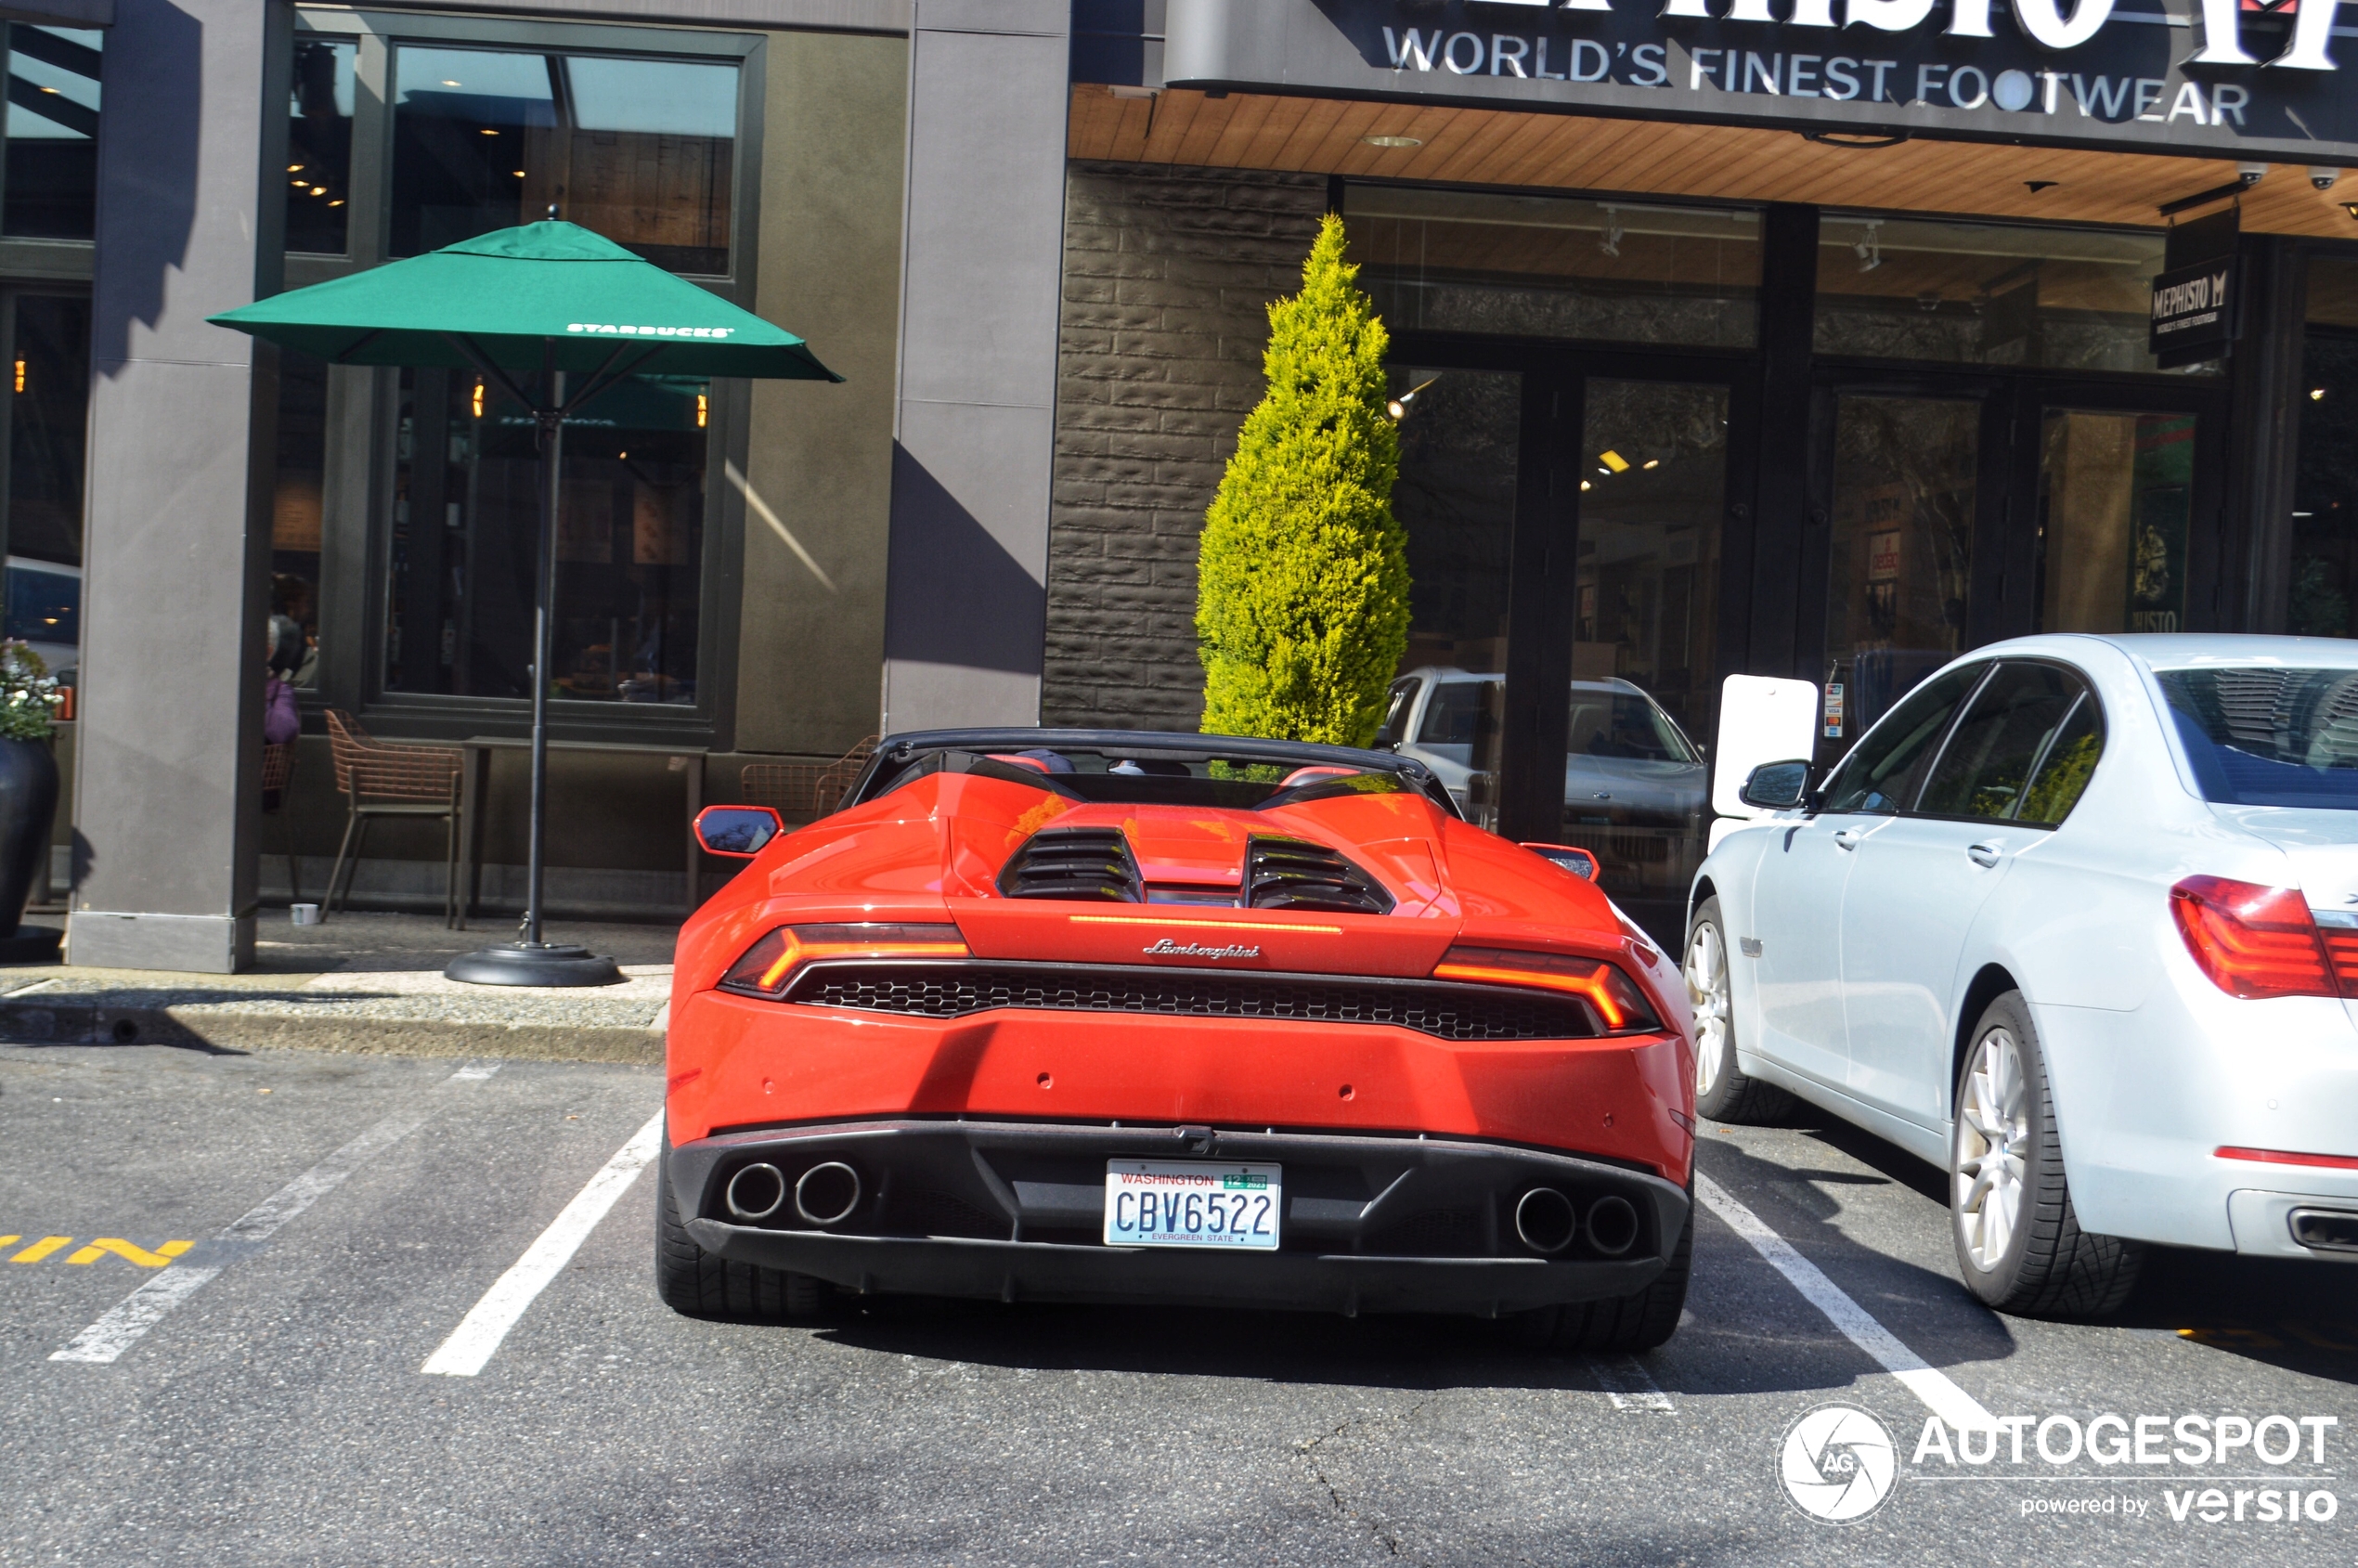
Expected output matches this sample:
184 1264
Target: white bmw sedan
2077 920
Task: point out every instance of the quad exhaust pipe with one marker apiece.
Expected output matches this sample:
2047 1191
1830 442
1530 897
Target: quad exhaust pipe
826 1195
1546 1223
1612 1226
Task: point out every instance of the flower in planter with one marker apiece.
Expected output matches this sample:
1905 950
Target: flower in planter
29 695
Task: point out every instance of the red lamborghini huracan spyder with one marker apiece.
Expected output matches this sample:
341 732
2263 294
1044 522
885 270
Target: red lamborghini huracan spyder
1096 1015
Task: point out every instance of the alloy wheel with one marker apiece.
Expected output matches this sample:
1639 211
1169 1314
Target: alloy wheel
1993 1149
1706 972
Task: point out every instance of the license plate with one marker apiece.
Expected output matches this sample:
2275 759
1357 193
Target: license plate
1192 1204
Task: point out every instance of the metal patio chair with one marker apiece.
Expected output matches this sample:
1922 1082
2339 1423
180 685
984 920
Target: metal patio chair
383 779
803 790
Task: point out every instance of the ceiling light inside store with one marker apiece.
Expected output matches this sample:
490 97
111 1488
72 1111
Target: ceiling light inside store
448 82
1394 141
2316 394
519 174
294 168
490 131
1650 462
1583 483
318 190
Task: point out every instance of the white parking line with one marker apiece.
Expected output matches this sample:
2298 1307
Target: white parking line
130 1318
479 1333
1945 1399
1627 1384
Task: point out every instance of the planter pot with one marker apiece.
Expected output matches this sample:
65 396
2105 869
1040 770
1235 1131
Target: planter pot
28 807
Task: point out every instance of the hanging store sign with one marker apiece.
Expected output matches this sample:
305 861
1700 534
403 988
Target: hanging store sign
2194 313
2195 77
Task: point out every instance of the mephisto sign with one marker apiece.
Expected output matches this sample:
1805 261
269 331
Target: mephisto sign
2203 77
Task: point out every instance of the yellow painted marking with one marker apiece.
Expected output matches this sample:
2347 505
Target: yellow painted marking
42 1248
10 1240
130 1252
1204 925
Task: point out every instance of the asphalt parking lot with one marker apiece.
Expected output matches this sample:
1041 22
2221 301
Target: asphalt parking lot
260 1395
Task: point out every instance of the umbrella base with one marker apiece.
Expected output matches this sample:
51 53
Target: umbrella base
536 963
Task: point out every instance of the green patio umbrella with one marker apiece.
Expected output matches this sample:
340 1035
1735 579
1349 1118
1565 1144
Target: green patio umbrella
545 305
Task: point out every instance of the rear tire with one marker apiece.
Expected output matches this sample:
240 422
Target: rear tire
1722 1091
696 1283
2019 1245
1641 1321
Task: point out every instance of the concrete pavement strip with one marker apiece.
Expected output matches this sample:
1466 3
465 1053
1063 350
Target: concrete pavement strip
391 1012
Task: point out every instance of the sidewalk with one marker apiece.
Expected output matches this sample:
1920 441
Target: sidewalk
360 982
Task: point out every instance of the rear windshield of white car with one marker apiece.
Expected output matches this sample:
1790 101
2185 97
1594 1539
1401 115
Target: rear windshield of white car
2270 737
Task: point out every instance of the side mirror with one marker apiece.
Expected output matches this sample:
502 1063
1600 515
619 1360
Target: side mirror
738 832
1580 862
1776 786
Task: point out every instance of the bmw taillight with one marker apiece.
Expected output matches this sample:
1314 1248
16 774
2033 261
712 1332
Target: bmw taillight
768 966
2256 941
1618 1002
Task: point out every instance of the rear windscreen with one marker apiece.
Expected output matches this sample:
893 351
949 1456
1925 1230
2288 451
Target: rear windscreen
1240 784
2269 737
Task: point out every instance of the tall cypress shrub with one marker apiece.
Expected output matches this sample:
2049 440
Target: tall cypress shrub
1301 582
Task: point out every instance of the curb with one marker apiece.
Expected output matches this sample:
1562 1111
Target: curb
218 1027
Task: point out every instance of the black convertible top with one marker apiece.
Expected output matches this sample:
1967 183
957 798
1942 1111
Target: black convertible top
895 753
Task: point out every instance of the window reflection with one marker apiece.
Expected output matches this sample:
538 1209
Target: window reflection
643 151
629 543
1985 293
52 175
1555 267
320 147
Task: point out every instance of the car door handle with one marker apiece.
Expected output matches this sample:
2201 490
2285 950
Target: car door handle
1984 855
1849 838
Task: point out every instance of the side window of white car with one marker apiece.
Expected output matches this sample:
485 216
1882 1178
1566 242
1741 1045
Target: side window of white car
1883 769
2008 735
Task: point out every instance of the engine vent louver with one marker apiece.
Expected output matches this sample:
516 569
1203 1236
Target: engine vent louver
1295 873
1073 863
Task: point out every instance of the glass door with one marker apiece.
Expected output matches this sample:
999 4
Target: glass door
1645 680
1905 506
1460 441
2117 502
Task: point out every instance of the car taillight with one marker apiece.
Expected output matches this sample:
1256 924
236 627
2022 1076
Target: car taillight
771 962
2256 941
1614 996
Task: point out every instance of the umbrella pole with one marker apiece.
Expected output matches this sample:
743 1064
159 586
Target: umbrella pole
533 961
552 463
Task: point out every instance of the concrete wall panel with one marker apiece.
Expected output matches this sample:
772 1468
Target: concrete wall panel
977 363
819 457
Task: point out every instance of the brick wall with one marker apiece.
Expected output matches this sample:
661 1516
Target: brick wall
1168 277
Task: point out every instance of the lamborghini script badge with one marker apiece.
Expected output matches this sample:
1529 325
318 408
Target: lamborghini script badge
1166 948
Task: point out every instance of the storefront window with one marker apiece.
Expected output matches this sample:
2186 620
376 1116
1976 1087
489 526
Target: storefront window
630 542
320 147
2323 597
297 517
1455 498
640 150
1654 456
1557 267
1985 294
47 415
2115 496
51 181
1902 550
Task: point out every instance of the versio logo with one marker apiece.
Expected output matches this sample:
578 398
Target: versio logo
1837 1464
